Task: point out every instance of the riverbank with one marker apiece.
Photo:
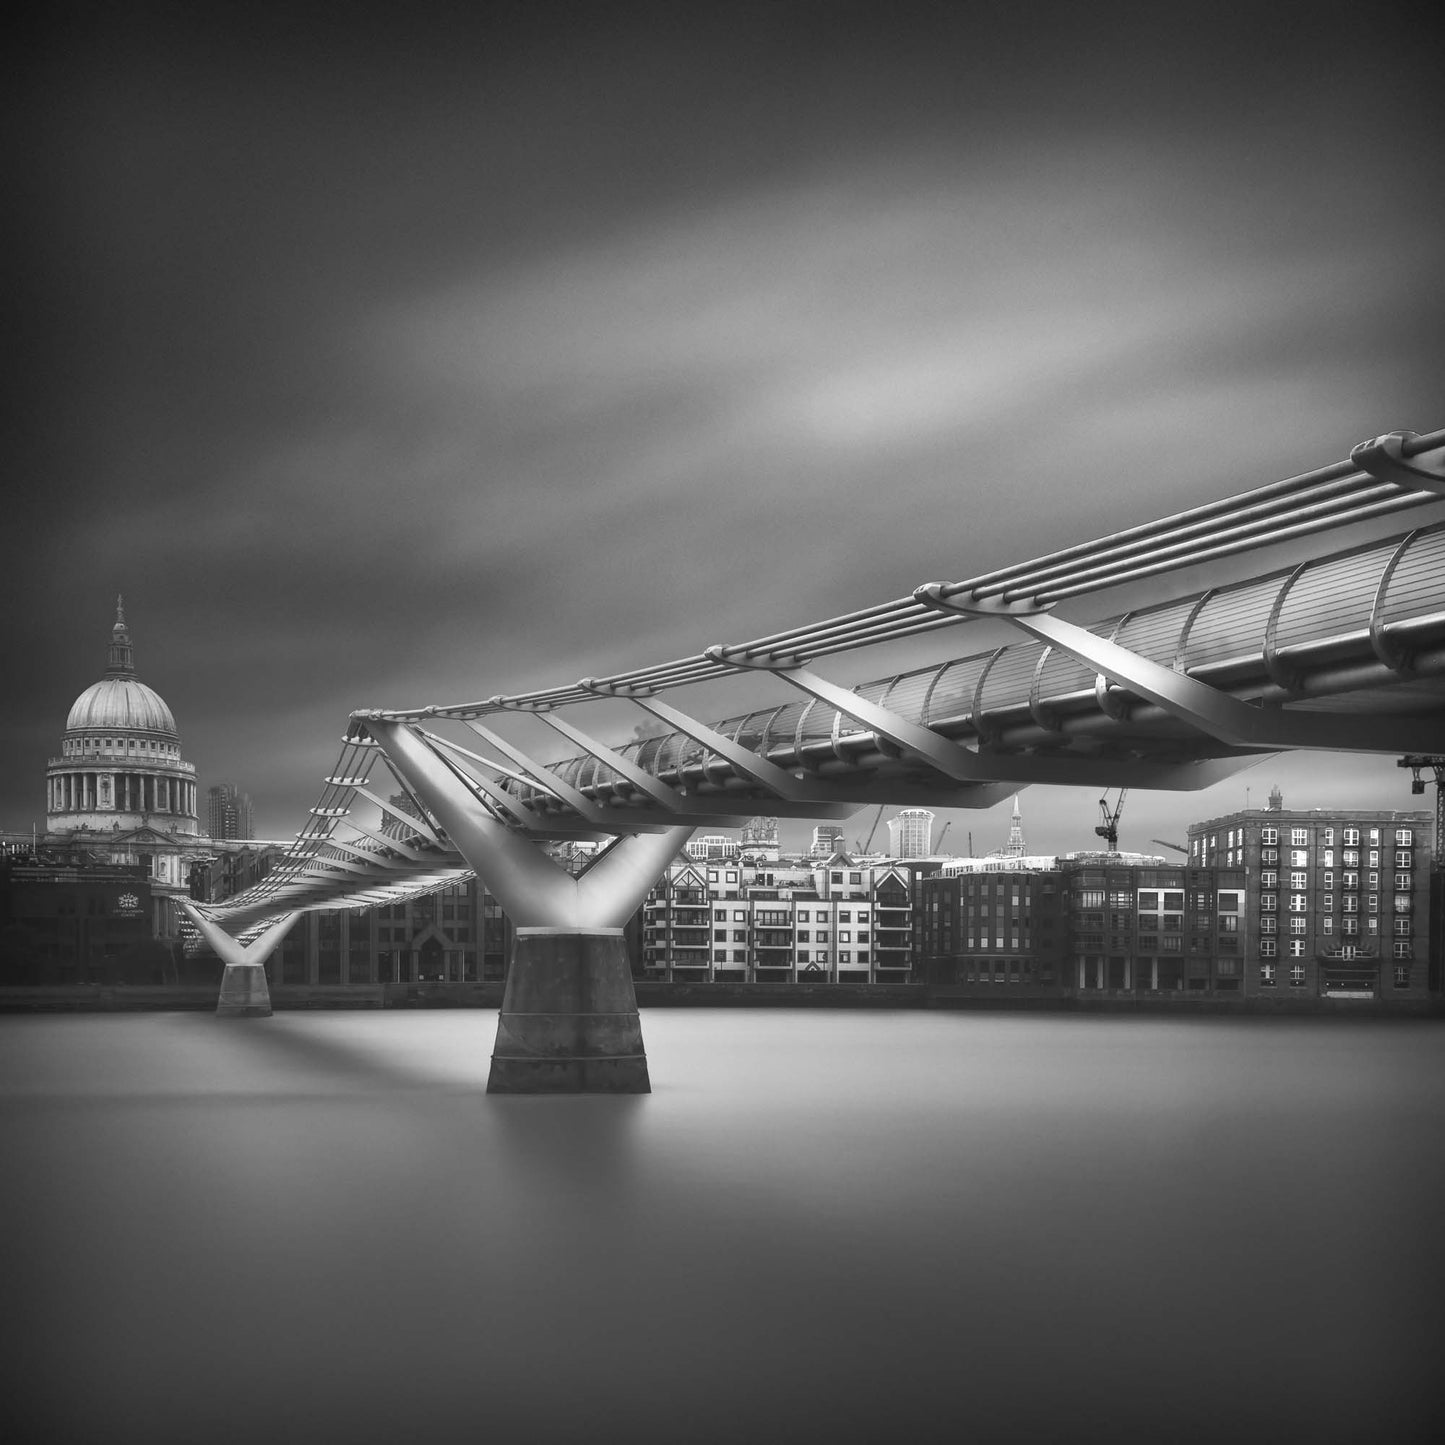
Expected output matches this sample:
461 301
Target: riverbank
651 994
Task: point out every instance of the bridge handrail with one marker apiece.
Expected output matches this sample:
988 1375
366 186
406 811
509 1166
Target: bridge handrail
1338 494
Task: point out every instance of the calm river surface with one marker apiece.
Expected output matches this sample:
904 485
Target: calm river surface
820 1226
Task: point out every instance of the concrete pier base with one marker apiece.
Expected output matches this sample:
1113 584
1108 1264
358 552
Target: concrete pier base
569 1021
244 993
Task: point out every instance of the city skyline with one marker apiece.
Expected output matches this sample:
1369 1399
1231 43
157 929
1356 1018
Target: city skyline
394 383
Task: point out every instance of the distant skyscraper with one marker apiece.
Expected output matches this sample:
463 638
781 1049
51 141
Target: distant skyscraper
911 833
827 840
228 812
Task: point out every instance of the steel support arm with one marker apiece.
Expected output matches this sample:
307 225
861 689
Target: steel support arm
549 781
993 777
231 951
1239 724
750 764
535 891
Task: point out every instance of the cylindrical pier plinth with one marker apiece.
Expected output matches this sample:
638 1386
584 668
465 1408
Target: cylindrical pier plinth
243 992
569 1021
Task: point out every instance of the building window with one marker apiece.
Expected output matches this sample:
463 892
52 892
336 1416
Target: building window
1269 836
1404 837
1350 857
1297 975
1269 855
1269 879
1268 948
1402 927
1327 925
1268 902
1299 837
1299 880
1298 858
1298 925
1402 860
1266 975
1268 925
1350 836
1401 950
1298 903
1296 948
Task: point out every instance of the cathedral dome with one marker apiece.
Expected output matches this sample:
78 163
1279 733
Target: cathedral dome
121 704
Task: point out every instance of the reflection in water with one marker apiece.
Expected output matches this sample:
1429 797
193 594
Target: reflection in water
856 1226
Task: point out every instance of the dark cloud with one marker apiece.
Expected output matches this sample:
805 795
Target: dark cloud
409 360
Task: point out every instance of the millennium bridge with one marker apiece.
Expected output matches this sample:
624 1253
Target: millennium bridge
1344 651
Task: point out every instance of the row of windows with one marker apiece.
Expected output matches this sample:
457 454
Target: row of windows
1299 858
77 746
1350 837
780 918
1269 948
740 955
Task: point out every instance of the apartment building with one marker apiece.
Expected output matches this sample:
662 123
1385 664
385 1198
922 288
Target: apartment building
833 920
1335 902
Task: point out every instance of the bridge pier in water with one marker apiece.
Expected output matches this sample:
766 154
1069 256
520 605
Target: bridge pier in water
569 1021
244 992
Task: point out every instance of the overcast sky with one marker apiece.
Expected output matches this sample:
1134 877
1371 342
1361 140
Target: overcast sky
404 362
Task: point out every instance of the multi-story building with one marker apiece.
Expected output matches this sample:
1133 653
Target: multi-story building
827 840
456 935
1075 924
229 813
68 919
911 833
1335 902
833 920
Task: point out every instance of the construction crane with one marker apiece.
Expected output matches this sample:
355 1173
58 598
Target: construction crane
938 846
877 818
1433 763
1165 843
1108 828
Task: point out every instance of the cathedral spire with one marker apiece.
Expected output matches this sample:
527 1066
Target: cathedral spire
1015 847
120 660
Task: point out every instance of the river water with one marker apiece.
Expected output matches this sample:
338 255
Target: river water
820 1226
